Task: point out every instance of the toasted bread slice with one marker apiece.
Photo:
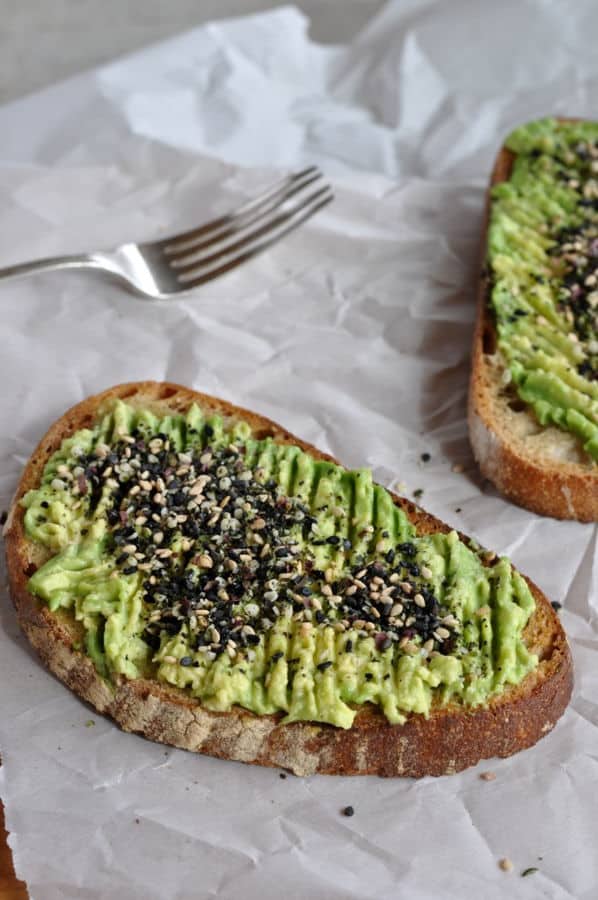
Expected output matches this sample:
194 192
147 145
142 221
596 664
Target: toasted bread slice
450 739
539 467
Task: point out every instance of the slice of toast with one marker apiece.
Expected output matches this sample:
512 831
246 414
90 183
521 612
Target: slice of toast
450 739
542 468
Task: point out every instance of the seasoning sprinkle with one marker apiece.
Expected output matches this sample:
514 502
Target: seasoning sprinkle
215 547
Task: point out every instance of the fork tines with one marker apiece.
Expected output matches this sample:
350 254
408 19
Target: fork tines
202 254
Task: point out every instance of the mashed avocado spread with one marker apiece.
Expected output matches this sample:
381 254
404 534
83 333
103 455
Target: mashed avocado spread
543 259
249 573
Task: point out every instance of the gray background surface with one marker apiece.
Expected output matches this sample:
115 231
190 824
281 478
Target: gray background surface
42 41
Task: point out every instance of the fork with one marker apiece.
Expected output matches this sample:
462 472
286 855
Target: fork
178 264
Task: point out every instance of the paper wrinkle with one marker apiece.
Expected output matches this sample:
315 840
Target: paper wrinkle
354 333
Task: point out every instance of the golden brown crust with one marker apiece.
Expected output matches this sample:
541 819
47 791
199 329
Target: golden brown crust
506 442
450 740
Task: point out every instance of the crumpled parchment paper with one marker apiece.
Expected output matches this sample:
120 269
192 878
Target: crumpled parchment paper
354 333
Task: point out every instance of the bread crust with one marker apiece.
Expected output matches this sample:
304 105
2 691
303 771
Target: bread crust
565 488
451 739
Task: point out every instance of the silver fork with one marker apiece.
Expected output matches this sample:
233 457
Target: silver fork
175 265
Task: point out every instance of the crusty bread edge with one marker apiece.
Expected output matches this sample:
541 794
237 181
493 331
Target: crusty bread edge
450 740
563 490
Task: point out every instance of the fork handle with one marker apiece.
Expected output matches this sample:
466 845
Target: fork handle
78 261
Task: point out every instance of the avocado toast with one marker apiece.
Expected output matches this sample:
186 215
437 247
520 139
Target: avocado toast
533 402
210 581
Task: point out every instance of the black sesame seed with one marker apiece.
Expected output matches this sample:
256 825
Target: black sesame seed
425 457
407 549
324 665
348 811
186 661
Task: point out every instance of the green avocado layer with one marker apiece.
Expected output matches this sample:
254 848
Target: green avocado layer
543 259
249 573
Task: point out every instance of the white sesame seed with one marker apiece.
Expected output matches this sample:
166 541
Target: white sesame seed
426 572
419 600
505 864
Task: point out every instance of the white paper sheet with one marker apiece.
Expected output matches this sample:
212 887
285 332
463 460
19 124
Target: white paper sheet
354 333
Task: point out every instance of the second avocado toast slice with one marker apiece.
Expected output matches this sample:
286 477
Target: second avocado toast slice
533 407
212 582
